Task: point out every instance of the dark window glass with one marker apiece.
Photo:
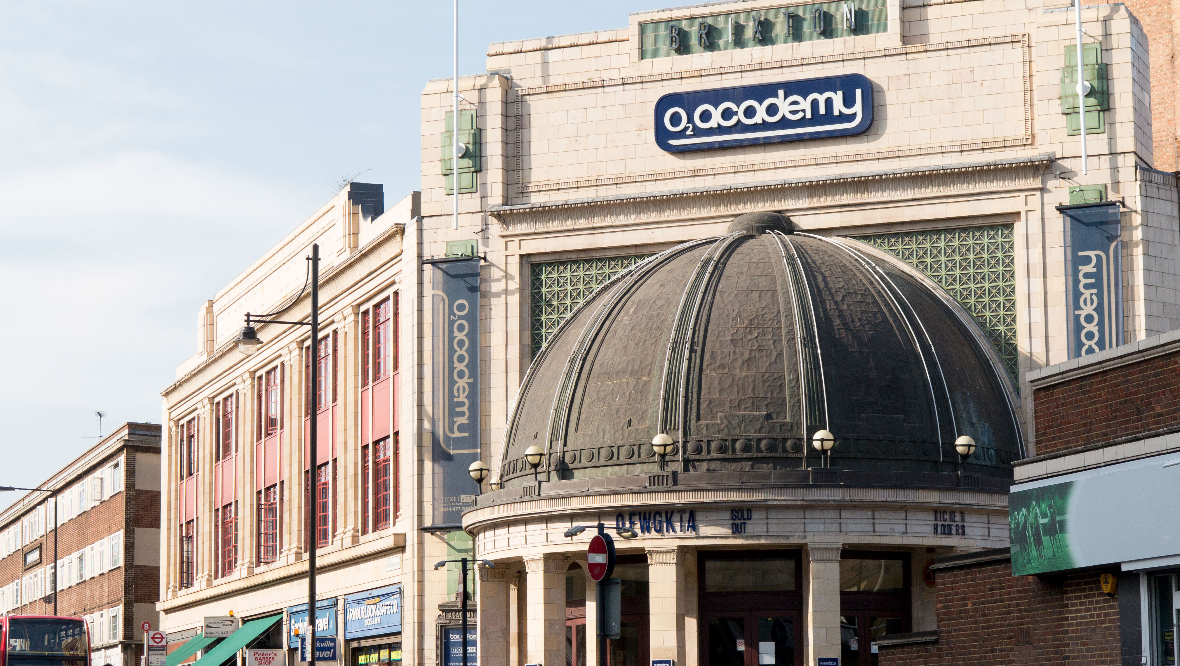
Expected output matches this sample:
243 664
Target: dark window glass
750 575
857 575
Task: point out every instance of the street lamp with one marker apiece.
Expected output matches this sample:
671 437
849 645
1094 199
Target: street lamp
53 495
478 471
965 447
532 456
463 563
662 445
248 343
824 441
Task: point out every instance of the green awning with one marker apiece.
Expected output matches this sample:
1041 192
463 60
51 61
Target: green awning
190 647
227 648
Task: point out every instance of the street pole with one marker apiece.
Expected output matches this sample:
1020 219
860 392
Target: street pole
312 452
1081 86
463 605
455 123
56 573
600 610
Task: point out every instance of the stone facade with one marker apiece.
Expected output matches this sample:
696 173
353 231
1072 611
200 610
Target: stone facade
107 544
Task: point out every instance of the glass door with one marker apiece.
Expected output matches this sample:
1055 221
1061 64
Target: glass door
753 638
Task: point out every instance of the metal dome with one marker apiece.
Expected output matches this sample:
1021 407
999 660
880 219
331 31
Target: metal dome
742 347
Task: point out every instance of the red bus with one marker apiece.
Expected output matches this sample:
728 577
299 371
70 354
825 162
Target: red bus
43 640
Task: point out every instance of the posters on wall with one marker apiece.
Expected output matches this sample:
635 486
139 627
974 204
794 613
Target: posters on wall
454 646
1100 516
1094 282
455 367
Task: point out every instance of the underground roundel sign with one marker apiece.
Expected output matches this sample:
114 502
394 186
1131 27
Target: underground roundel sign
600 557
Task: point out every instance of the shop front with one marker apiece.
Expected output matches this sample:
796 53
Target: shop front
325 625
373 627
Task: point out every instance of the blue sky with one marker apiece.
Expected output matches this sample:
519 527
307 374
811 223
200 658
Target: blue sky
150 151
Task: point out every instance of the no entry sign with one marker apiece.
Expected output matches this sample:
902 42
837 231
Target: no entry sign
600 557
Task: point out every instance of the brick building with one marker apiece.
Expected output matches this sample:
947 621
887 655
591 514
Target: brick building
101 562
1098 500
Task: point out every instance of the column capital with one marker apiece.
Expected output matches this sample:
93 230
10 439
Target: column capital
824 552
662 556
499 574
546 563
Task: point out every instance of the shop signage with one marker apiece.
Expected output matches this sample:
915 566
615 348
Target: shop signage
325 621
949 522
325 648
454 646
261 657
1094 283
455 366
659 521
768 113
1081 519
373 613
219 626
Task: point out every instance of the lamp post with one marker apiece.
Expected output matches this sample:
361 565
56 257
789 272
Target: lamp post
662 445
532 456
824 441
248 343
965 447
478 471
463 563
52 495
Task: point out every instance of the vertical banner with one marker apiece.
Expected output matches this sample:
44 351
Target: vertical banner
455 400
1094 278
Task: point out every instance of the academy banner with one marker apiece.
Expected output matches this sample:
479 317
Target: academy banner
1119 513
455 367
1094 277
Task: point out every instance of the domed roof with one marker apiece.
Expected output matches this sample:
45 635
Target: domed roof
742 347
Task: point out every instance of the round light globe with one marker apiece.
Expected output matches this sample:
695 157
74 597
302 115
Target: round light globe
478 471
823 440
533 456
248 341
661 444
965 446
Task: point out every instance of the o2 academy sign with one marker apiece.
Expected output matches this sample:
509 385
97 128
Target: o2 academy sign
769 113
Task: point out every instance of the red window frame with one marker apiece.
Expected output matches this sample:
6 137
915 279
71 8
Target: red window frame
225 442
323 507
393 335
268 525
381 340
229 538
323 367
365 343
188 448
188 553
382 482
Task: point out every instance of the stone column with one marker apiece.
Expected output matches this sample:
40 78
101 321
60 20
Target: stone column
591 620
545 591
823 601
666 604
492 613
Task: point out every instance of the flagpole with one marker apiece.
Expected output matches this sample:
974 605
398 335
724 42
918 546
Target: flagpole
455 124
1082 85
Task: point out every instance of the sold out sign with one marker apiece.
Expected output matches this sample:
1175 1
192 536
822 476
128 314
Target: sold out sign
600 557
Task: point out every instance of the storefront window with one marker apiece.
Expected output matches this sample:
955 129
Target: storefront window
1163 621
750 575
874 601
385 654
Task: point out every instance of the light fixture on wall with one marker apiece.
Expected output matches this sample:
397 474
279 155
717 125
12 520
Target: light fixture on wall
662 445
478 471
824 441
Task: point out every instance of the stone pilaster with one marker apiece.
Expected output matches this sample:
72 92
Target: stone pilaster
492 609
823 601
545 609
666 604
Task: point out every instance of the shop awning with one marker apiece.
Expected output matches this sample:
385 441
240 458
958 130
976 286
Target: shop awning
190 647
237 640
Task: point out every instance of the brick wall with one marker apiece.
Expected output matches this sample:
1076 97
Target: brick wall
1125 401
988 616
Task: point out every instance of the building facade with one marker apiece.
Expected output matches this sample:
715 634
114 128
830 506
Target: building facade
1091 575
100 559
735 225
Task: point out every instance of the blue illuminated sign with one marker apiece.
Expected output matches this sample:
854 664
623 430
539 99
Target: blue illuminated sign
373 613
768 113
325 621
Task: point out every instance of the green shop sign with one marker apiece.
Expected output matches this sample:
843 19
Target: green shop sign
1119 513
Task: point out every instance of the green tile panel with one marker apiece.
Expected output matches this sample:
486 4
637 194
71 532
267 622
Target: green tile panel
976 266
557 288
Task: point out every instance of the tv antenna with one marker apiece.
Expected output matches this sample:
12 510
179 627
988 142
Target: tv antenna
100 415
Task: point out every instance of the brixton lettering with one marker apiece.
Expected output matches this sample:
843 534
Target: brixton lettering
748 115
659 522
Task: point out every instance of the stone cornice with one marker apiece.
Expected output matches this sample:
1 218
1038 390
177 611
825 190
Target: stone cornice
791 194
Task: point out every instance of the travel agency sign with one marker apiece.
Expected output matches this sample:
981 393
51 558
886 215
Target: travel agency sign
768 113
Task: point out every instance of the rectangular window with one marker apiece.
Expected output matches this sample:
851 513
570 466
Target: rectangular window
188 450
365 344
117 477
381 484
116 548
223 411
393 339
268 525
113 625
323 366
272 401
323 501
103 562
381 340
187 554
366 469
229 539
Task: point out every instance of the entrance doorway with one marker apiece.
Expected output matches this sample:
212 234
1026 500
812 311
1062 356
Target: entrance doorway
751 607
874 601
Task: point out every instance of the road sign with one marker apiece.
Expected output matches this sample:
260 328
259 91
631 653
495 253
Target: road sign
146 626
220 626
600 557
157 639
157 648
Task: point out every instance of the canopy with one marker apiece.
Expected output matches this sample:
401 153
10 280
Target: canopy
190 647
237 640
